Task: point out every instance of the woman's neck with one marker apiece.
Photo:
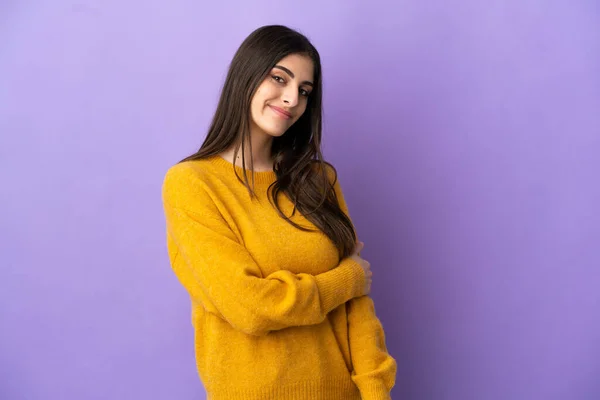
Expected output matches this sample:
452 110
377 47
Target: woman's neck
261 156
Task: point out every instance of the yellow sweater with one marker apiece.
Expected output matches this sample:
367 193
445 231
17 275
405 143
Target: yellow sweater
277 315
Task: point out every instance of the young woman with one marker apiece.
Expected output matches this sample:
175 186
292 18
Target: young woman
268 254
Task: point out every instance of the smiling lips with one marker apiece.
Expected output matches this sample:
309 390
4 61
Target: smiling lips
281 112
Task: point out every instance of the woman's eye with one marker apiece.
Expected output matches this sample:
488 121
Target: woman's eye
279 79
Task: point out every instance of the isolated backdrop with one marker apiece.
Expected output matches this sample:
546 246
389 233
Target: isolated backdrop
467 139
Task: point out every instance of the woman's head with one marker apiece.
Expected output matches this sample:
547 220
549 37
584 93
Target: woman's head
275 66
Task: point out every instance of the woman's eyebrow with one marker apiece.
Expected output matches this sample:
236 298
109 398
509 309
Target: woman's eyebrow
290 73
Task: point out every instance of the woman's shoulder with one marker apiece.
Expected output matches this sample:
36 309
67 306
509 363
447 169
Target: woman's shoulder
187 172
186 179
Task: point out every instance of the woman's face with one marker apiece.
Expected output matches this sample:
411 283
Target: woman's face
281 98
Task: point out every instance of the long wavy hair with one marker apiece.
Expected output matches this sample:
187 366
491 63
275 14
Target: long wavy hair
297 159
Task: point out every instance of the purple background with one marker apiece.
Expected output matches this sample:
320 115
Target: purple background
467 139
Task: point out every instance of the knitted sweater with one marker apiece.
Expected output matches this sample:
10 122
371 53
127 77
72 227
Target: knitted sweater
277 315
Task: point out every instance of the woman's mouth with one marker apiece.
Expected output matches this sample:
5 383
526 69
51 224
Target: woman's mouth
281 112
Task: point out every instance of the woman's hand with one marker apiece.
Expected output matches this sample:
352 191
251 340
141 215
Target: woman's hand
364 264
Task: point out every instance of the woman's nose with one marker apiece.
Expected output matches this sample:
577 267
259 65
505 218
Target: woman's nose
290 97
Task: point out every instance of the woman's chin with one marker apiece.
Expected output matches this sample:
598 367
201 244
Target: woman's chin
275 132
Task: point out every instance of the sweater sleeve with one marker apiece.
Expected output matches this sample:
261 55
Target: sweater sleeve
374 369
220 273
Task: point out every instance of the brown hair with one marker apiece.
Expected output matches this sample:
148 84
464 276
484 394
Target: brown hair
297 159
